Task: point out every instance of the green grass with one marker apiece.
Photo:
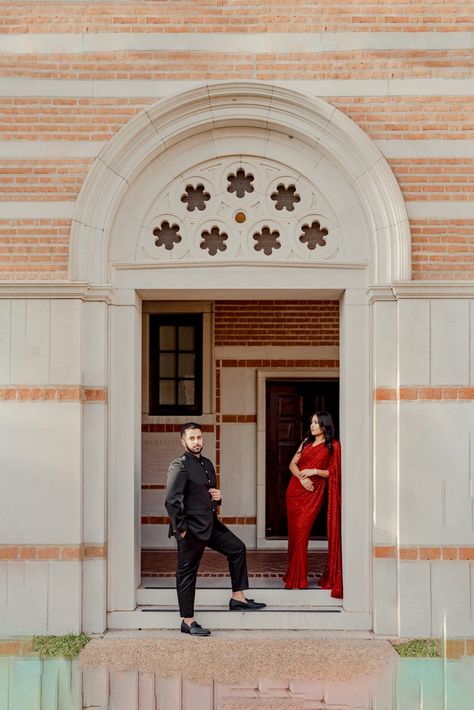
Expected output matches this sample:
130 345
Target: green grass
416 648
68 646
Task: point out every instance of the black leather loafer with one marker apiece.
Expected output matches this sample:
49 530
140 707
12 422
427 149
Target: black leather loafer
194 629
247 605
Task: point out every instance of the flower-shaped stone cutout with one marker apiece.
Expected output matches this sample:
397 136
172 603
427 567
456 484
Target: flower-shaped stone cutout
266 241
195 197
313 235
167 235
213 241
285 197
240 183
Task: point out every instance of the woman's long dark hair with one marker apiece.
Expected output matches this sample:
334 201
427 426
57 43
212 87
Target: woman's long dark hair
327 425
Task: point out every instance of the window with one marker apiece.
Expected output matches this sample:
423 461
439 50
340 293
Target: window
176 364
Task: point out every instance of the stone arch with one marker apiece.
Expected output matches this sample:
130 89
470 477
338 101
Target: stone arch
241 105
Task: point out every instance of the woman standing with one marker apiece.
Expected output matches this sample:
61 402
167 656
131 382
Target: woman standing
317 461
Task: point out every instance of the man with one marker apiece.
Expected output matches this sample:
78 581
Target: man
191 502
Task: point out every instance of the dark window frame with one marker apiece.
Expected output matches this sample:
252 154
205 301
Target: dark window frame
174 319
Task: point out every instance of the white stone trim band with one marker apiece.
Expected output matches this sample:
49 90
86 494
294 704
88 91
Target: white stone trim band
17 209
51 149
440 209
134 88
260 43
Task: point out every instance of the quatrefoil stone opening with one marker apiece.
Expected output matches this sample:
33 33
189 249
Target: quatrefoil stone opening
313 235
285 197
240 183
195 197
167 235
213 241
266 241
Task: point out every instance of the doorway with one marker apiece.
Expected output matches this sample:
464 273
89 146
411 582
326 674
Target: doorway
289 405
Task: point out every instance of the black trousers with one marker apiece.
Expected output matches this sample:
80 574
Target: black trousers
190 551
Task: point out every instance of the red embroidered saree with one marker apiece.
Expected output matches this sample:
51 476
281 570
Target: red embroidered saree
303 508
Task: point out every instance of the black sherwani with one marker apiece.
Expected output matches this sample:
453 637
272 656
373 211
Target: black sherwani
191 509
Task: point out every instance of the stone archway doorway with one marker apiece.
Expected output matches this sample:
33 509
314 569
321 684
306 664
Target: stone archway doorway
122 203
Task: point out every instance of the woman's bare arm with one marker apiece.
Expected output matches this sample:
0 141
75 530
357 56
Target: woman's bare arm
305 481
294 464
308 472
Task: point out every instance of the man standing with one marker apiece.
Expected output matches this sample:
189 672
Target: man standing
191 502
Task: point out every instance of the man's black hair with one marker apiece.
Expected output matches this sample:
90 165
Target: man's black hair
189 425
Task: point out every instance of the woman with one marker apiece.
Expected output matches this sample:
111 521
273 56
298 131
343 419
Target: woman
317 461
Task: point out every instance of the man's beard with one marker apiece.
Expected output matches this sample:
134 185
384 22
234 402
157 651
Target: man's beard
191 451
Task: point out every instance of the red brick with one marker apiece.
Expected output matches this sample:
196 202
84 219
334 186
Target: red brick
384 551
49 553
430 553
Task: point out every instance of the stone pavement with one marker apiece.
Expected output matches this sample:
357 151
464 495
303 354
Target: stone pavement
237 671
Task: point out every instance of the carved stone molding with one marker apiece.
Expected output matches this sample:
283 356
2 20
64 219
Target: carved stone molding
335 146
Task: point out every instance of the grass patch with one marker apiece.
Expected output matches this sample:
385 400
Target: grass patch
416 648
67 646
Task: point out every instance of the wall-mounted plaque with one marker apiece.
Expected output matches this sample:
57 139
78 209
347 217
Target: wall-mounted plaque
158 450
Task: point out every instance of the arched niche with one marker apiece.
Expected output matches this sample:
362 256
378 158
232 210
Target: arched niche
233 121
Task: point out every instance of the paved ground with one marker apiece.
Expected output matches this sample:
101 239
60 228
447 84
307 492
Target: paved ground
261 563
243 658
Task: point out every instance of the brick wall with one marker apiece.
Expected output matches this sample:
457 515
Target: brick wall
399 70
246 323
34 248
165 65
410 117
443 249
231 16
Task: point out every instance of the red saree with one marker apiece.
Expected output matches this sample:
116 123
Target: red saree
303 508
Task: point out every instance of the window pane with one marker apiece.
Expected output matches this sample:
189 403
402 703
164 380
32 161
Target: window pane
186 392
167 392
186 337
167 337
186 365
167 365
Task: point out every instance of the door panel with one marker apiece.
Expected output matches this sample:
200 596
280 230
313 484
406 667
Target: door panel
289 406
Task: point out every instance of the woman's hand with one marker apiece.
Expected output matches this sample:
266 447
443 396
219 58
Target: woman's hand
308 472
307 483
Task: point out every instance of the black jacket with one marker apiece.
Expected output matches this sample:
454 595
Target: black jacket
188 501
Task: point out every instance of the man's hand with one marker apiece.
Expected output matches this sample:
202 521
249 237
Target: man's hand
215 493
183 534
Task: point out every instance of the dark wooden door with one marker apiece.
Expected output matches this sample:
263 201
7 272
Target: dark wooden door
289 406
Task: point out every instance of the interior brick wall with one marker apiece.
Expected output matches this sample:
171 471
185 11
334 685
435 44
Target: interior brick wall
247 323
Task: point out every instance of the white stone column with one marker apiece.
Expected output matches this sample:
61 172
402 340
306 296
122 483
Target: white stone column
356 450
385 463
124 456
94 465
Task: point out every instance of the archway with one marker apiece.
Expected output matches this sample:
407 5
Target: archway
327 158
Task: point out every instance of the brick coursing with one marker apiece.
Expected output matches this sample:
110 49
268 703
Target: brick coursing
276 323
166 65
229 16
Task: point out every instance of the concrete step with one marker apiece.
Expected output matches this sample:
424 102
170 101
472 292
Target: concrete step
150 594
219 617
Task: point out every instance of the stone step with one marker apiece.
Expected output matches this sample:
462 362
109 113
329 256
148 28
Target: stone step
219 617
150 594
